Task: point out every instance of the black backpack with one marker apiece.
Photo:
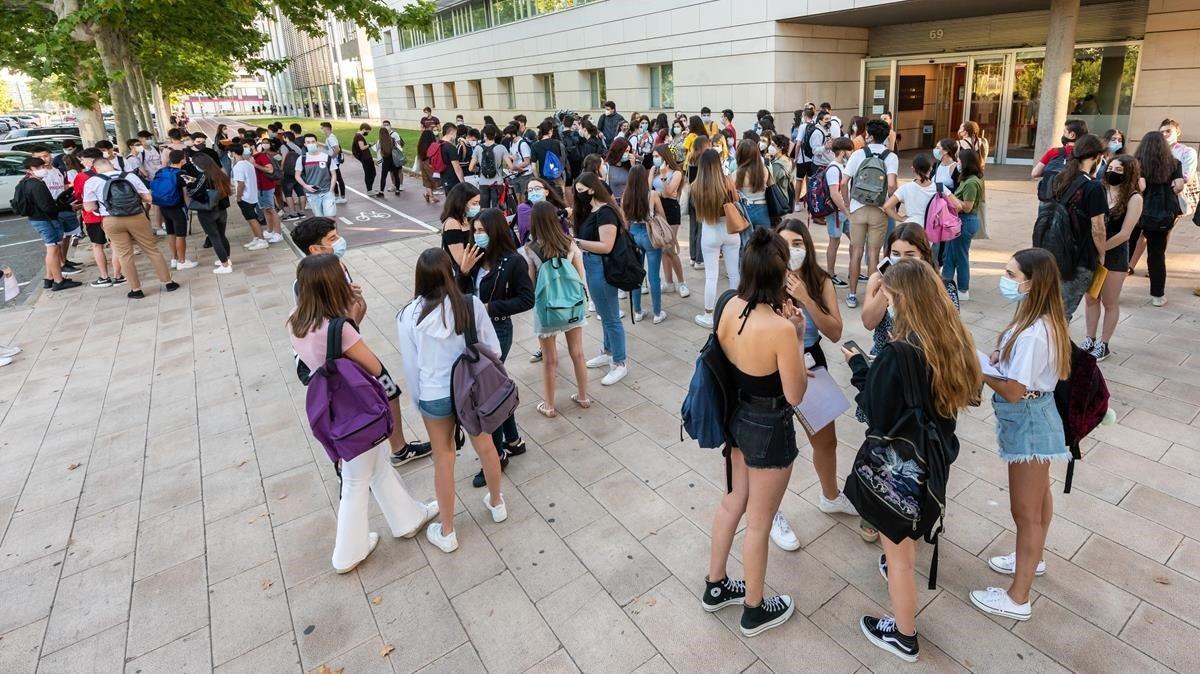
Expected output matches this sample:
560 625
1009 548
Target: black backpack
1161 208
120 197
1055 231
623 266
487 162
1045 188
21 202
805 140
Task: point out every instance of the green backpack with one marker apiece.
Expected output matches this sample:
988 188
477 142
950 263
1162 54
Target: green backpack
559 299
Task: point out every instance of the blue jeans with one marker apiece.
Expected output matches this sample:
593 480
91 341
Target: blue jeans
653 259
507 433
758 214
956 256
608 307
322 204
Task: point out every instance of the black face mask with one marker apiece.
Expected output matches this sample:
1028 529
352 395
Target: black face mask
1114 179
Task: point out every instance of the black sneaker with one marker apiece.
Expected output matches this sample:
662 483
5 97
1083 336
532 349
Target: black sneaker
172 287
102 282
536 357
47 283
883 633
135 295
65 284
70 271
480 481
722 593
862 277
883 567
772 612
516 448
1100 351
411 450
839 282
119 280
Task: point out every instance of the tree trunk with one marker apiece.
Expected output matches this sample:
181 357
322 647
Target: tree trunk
91 124
91 121
161 110
124 113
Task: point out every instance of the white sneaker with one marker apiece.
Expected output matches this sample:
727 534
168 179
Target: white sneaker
5 361
782 534
621 314
447 544
660 317
274 237
697 265
258 244
645 289
852 300
964 296
838 505
668 287
173 263
500 512
223 269
639 316
340 200
217 263
683 290
591 307
431 511
621 294
704 320
1007 564
615 374
603 360
9 351
186 264
372 541
161 231
1158 301
996 601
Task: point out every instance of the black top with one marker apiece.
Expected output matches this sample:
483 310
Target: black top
766 386
880 386
38 199
449 156
505 289
192 152
539 150
590 229
1093 201
691 173
453 236
593 145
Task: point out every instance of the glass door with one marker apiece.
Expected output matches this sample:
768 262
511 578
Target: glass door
987 90
1023 114
877 88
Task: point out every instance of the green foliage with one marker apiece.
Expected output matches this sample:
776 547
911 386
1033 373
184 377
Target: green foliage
7 104
342 129
40 46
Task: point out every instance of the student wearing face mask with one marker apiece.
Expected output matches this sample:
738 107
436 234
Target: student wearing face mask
641 140
1034 354
1163 180
783 172
264 166
1114 144
208 196
458 215
907 240
638 203
618 160
751 180
314 174
956 265
1087 205
200 146
1121 183
245 186
92 222
945 158
32 199
666 179
597 219
914 196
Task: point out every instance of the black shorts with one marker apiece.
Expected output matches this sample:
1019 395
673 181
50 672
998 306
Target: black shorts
291 188
249 211
96 234
764 429
804 170
175 219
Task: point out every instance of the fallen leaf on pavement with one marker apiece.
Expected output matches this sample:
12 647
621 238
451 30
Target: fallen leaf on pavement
386 650
1162 580
281 497
651 601
376 600
73 466
267 583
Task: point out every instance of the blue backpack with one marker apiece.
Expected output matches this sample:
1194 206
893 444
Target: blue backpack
552 167
707 405
559 297
164 188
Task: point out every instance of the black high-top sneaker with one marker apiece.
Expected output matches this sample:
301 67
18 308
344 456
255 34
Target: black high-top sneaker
724 592
772 612
883 633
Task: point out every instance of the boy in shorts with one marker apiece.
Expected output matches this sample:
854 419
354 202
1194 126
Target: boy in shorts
175 218
92 221
266 190
245 186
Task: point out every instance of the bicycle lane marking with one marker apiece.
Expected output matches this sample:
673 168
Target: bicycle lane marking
402 214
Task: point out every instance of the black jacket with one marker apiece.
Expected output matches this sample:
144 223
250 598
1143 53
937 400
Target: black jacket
593 145
505 289
40 205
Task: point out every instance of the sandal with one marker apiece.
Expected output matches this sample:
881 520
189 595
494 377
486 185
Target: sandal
546 410
582 402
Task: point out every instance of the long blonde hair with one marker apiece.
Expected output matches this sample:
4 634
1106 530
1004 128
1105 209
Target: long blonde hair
926 319
709 191
1043 301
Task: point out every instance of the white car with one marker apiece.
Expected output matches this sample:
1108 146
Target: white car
26 144
12 169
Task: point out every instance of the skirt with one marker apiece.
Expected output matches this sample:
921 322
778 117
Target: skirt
1029 429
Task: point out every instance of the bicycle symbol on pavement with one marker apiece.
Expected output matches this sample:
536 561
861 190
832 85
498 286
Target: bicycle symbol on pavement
365 216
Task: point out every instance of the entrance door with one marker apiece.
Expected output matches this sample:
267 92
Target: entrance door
930 100
987 90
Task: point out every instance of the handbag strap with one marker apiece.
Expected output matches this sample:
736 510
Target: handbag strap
469 334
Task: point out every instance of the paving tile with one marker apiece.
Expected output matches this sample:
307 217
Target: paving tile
582 457
690 639
329 612
845 552
597 634
980 644
658 665
305 546
500 601
1187 558
172 487
102 537
1079 645
294 493
1163 637
225 450
172 448
393 558
1165 588
277 655
474 562
167 606
518 506
248 610
239 542
20 648
231 490
36 534
798 574
90 602
635 505
616 559
415 616
186 655
651 464
169 539
693 496
1162 477
102 652
562 502
558 662
27 591
106 489
536 556
461 660
1064 537
365 657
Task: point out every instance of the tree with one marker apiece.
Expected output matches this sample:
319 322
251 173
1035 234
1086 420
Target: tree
6 102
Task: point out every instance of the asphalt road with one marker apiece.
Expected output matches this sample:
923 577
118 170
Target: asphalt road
21 248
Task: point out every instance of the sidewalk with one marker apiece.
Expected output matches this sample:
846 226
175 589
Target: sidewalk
163 507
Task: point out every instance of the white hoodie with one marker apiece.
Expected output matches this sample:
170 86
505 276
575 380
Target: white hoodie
430 347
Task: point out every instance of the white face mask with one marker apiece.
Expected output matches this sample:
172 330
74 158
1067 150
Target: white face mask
796 258
894 258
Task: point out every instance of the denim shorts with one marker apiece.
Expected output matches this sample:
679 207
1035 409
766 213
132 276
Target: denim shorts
837 224
1029 430
50 231
442 408
266 199
764 429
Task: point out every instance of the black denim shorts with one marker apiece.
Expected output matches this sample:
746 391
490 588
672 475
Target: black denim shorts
764 429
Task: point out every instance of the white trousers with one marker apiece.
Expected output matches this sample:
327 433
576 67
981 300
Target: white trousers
371 471
714 240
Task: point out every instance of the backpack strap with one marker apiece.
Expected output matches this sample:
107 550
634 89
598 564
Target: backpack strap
867 152
333 337
469 334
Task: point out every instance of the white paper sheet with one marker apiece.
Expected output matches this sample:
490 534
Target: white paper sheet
11 287
823 401
987 367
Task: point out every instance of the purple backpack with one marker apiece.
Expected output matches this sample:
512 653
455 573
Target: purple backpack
347 408
484 395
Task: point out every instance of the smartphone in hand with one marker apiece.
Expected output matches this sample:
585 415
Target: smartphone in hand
851 345
883 265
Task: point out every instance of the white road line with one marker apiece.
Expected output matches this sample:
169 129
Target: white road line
18 243
345 220
402 214
12 219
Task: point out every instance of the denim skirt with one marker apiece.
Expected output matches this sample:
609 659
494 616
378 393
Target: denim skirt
1030 430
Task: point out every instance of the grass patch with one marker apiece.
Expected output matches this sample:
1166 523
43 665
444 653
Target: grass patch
342 129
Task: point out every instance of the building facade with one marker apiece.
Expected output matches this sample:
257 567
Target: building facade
931 64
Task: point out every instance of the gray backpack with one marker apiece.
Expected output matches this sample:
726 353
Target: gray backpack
484 396
869 184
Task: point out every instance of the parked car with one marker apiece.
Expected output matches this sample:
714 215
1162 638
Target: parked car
53 143
16 134
5 127
12 169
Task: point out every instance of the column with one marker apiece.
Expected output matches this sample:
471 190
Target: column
1056 86
320 111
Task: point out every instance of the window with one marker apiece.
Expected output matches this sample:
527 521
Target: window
427 95
507 95
597 88
410 97
388 47
662 87
548 90
451 96
476 88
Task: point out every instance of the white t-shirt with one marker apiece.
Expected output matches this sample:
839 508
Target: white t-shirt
891 162
243 172
944 174
1032 361
93 189
520 151
835 126
816 142
833 176
915 199
334 148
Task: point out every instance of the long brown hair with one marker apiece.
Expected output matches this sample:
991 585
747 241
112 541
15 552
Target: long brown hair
914 235
635 201
583 206
667 155
500 236
545 232
1154 154
1131 170
699 147
764 268
616 151
926 319
709 191
1044 300
216 177
811 272
434 282
749 167
322 293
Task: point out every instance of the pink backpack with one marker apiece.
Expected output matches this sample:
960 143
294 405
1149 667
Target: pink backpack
942 223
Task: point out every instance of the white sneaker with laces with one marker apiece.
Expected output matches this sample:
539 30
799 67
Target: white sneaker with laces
704 320
9 351
615 374
217 263
1007 564
340 200
1158 301
621 294
258 244
839 504
500 512
683 290
660 317
431 511
223 269
447 544
173 263
782 534
186 264
5 361
639 316
964 296
274 237
645 289
603 360
996 601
